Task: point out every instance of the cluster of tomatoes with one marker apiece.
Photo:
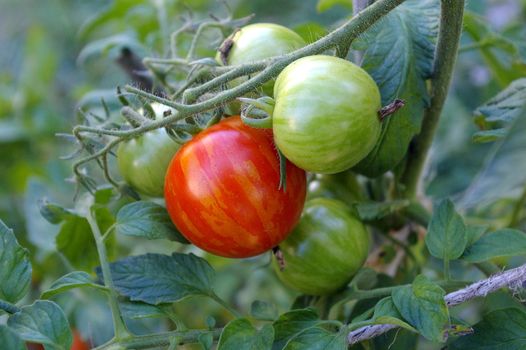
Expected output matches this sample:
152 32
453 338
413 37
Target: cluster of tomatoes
222 188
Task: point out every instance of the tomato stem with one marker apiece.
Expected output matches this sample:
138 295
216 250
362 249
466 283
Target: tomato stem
119 326
224 304
446 52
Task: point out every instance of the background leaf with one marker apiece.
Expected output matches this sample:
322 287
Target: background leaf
42 322
385 312
398 54
75 239
239 334
422 305
505 242
75 279
158 278
500 112
261 310
147 219
10 340
324 5
446 235
500 329
504 172
291 323
318 338
15 267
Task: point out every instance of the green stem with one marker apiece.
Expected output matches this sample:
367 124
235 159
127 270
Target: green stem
447 275
118 323
517 209
160 339
445 56
270 68
224 304
8 307
488 268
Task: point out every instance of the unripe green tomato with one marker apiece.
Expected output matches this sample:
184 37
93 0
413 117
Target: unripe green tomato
142 161
257 42
325 118
325 250
342 186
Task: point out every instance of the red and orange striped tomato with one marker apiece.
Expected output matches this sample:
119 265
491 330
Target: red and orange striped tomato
221 191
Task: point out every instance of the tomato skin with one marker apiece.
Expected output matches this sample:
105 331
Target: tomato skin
142 161
222 193
257 42
325 117
325 249
78 342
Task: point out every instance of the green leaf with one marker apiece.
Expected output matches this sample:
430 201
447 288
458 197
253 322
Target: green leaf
147 219
75 279
501 54
376 210
10 340
310 31
318 338
446 235
15 267
75 239
53 213
325 5
158 278
108 46
503 174
398 54
239 334
474 232
422 305
42 322
291 323
500 329
206 340
385 312
264 311
505 242
499 112
137 310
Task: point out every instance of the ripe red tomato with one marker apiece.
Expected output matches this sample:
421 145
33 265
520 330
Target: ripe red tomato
221 191
78 342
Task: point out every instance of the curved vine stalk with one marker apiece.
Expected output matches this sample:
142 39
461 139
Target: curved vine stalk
445 56
513 279
198 99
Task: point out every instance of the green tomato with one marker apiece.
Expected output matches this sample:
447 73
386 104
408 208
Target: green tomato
325 118
257 42
325 250
143 161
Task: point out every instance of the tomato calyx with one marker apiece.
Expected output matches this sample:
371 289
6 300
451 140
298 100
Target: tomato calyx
280 258
257 113
226 46
391 108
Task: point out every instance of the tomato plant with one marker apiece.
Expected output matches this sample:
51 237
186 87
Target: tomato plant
222 191
325 250
143 160
325 118
256 42
403 210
